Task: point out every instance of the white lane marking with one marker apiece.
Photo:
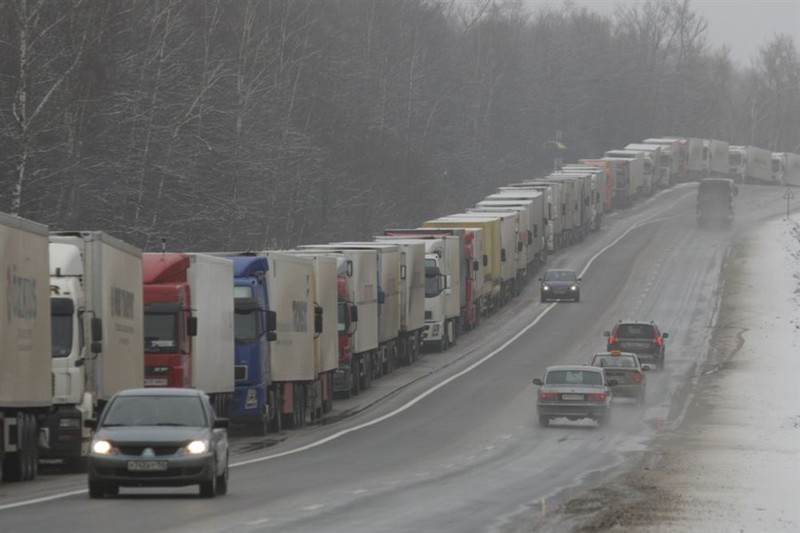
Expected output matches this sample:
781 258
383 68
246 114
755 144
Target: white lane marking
259 522
313 507
43 499
402 408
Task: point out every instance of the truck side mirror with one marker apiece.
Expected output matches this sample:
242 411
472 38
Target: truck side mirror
272 321
272 336
485 260
519 246
354 314
317 319
381 297
349 268
90 423
191 326
402 271
97 329
476 266
503 254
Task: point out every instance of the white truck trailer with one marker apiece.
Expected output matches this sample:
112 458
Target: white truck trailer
716 156
750 164
25 346
411 296
360 275
636 171
96 294
786 168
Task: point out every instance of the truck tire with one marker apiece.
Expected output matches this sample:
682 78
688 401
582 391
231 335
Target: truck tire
355 375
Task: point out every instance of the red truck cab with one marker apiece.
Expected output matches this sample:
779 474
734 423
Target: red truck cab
168 322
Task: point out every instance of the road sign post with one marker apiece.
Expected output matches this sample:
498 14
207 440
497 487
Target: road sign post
789 195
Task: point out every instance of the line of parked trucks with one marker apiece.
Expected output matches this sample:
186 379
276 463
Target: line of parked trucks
274 336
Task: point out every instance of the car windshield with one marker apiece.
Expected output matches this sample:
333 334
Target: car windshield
635 331
560 275
155 411
614 361
574 377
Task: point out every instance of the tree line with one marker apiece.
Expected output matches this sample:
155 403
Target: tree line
252 124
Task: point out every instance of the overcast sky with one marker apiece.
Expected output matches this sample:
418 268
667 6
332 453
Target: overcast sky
742 25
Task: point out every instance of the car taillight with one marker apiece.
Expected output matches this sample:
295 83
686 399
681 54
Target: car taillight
611 340
659 341
597 397
637 378
548 395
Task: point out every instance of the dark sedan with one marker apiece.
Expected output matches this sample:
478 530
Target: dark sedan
560 284
574 392
158 437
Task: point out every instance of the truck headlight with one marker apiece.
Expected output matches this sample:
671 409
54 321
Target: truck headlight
197 447
102 447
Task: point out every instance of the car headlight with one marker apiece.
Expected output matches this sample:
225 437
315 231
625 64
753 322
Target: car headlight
545 287
197 447
573 288
102 447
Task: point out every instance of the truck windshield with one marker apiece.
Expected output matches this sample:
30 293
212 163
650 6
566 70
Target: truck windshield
160 332
433 279
735 159
61 316
246 325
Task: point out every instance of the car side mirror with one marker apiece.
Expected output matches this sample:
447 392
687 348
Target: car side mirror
645 368
90 423
220 423
612 382
606 334
537 381
665 335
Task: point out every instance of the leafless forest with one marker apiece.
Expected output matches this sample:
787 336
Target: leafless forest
246 124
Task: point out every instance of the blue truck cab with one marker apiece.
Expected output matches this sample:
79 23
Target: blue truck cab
254 324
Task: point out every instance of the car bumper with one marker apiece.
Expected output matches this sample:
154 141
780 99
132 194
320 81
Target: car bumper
628 391
552 295
180 471
572 410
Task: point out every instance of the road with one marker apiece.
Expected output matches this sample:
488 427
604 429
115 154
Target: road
452 444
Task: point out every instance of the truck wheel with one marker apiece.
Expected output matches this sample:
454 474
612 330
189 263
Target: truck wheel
355 375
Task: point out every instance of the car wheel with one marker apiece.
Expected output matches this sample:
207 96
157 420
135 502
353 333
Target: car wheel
661 362
96 489
222 480
544 421
578 298
208 489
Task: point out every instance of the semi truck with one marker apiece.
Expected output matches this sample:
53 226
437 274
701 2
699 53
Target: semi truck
320 392
596 188
636 172
716 156
676 152
189 339
411 297
786 168
607 188
97 334
254 407
750 164
715 201
473 299
359 354
25 346
532 222
551 219
657 168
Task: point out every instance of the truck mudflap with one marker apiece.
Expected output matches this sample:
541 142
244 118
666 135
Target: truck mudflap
343 378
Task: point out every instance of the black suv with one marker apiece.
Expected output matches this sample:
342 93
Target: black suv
642 338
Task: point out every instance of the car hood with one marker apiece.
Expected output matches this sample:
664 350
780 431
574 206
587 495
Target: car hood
152 434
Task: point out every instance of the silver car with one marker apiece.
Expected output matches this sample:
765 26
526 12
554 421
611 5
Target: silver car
574 392
159 437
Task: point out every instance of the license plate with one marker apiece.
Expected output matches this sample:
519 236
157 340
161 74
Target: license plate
638 344
155 382
572 396
147 466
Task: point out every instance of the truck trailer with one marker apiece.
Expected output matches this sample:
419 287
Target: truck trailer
750 164
25 346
